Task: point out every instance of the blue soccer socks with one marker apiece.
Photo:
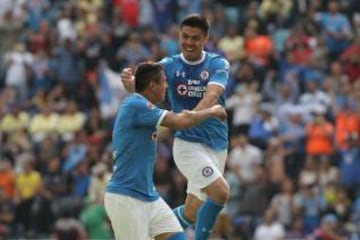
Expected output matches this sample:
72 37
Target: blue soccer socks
180 214
206 218
177 236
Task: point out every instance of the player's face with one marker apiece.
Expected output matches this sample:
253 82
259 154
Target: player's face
192 41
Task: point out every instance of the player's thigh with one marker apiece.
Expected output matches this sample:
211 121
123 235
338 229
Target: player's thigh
163 222
128 216
199 164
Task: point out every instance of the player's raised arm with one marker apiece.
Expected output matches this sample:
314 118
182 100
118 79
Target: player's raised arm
211 97
188 119
127 78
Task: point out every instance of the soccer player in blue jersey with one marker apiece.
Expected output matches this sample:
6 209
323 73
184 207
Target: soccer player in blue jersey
197 80
135 209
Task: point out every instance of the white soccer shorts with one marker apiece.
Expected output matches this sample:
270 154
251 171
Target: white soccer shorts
200 165
133 219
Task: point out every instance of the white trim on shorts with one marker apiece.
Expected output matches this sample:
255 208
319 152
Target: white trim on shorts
133 219
200 165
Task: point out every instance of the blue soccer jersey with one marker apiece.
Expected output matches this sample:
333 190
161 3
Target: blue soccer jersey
134 145
187 83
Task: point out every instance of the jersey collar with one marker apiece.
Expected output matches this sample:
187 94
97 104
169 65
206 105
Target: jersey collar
193 62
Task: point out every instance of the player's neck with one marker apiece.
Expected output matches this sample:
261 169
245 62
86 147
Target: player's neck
193 62
148 95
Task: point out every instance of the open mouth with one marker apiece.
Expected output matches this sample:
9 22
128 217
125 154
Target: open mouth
189 49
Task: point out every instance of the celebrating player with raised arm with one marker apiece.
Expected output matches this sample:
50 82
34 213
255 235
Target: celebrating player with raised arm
135 209
197 80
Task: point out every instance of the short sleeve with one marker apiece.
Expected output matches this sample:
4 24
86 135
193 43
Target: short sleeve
220 72
148 114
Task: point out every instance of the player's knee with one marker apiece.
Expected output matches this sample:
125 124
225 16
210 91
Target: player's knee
224 193
219 192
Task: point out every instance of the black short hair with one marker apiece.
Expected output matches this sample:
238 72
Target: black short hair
198 21
145 73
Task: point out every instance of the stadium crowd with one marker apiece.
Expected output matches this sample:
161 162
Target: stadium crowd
293 102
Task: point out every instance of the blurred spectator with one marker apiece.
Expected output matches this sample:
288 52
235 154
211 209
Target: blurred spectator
71 121
347 122
232 44
6 215
65 26
95 222
312 72
275 161
129 11
28 184
292 136
7 180
283 202
351 60
244 159
336 75
93 215
133 51
300 44
37 10
17 73
252 19
43 124
329 229
169 42
308 204
80 180
256 196
296 231
163 12
319 135
314 98
328 174
42 78
75 151
350 163
270 228
336 28
99 178
262 128
186 7
68 227
15 120
67 67
243 104
257 47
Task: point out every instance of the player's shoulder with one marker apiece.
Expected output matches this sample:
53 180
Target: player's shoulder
170 60
134 101
217 60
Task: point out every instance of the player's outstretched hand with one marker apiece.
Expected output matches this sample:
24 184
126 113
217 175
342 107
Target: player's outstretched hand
219 111
128 79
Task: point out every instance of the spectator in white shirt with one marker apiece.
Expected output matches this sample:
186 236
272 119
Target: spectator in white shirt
270 229
243 160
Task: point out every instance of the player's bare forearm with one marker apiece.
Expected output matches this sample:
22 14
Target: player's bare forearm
188 119
210 98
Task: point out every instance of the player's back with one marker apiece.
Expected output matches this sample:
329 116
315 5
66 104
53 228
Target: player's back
188 83
133 150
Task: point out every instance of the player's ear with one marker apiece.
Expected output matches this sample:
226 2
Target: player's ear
152 85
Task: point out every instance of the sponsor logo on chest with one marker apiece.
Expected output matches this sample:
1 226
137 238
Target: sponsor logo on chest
187 86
